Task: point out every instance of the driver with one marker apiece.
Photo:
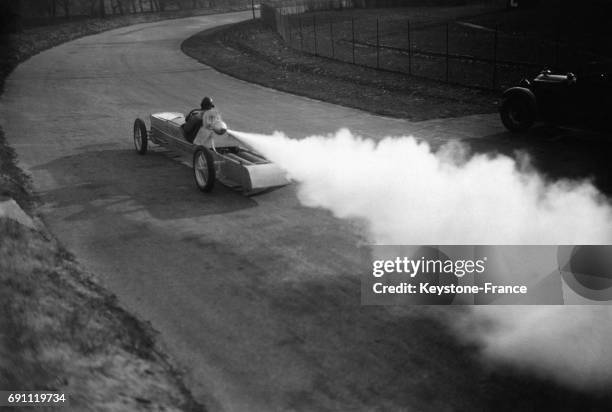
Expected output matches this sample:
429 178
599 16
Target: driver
205 115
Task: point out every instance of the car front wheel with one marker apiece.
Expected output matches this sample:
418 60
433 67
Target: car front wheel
203 169
517 114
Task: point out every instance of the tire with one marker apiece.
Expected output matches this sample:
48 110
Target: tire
517 113
140 137
203 169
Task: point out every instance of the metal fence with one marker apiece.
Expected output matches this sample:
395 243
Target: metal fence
453 52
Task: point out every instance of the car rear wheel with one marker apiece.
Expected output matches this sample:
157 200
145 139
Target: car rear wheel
140 136
517 114
203 169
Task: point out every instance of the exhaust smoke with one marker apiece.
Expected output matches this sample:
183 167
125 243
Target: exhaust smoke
409 194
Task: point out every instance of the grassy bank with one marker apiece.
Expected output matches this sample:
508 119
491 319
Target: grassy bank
61 331
252 52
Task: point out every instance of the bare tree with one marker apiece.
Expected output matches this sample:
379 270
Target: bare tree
119 6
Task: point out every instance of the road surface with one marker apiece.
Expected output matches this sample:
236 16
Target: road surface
255 298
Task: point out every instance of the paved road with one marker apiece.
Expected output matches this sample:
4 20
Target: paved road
256 298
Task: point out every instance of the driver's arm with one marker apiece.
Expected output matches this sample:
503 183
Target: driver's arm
191 114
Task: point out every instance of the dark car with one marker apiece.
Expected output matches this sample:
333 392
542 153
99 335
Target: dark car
579 100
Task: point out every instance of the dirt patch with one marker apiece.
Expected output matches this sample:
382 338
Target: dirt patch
251 52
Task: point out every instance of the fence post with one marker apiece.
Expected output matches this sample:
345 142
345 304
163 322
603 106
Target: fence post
495 58
289 27
409 49
314 32
301 35
353 31
447 55
331 35
253 8
377 45
557 53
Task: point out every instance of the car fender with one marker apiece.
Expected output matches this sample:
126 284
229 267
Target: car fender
523 92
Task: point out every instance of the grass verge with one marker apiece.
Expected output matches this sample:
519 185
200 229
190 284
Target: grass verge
251 52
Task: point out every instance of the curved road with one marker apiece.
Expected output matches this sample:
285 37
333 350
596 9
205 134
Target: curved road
256 298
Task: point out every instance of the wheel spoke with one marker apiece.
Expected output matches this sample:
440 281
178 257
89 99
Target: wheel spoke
201 169
137 138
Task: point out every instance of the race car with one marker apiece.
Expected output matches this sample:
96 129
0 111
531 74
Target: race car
216 154
568 99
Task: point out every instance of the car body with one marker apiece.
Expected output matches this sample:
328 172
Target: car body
567 99
216 154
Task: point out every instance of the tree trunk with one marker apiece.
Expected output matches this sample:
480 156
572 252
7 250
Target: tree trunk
93 8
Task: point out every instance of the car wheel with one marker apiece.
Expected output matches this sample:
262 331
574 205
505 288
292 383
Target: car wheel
140 136
517 114
204 169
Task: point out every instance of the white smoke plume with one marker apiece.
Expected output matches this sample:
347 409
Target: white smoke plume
568 343
409 194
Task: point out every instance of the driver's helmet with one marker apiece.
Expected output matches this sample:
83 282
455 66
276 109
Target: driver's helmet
207 103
